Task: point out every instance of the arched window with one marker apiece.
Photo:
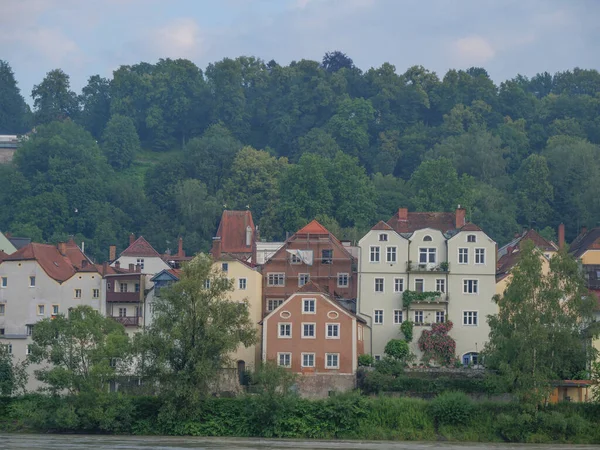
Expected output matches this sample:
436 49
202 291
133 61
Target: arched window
470 359
427 238
471 238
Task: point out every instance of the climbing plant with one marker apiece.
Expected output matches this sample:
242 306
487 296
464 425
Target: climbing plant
407 330
409 297
436 345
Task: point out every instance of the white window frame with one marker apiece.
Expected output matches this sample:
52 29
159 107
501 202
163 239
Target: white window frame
55 309
398 313
95 293
375 280
224 267
3 282
295 259
32 281
2 309
474 284
474 238
41 309
123 288
123 312
314 328
463 255
383 237
337 327
391 250
347 277
481 256
337 359
284 336
276 279
75 292
428 251
399 282
280 354
442 284
307 354
377 357
303 278
375 250
272 301
242 284
422 280
422 314
437 316
307 302
375 311
470 316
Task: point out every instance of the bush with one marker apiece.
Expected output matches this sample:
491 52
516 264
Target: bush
366 360
397 349
554 424
407 330
514 428
451 408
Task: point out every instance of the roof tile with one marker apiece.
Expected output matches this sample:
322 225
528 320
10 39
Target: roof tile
232 231
140 247
418 220
313 227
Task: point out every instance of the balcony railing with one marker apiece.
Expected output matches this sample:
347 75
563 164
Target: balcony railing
128 321
412 297
123 297
427 267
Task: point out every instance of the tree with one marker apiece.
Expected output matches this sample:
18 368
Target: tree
95 102
53 99
319 142
336 60
534 191
13 375
120 142
397 349
14 112
83 352
539 332
194 328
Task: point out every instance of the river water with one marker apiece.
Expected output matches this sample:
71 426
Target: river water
79 442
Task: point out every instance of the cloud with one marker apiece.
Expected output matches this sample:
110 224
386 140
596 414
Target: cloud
472 50
180 38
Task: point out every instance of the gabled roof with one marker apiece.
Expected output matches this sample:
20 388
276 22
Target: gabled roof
76 256
311 288
585 241
3 256
442 221
232 231
140 247
169 274
313 227
470 227
508 256
56 266
382 226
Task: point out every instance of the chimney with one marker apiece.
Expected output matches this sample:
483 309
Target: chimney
112 253
62 248
104 268
138 268
131 238
131 267
84 263
118 265
216 248
461 214
403 214
561 236
180 251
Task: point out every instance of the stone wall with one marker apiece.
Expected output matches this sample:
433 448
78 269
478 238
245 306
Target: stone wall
320 385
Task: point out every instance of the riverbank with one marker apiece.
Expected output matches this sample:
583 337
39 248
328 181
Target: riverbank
450 418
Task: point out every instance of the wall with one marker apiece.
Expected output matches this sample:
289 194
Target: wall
152 264
320 385
591 257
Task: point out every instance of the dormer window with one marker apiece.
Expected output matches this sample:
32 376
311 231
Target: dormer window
471 238
383 237
427 238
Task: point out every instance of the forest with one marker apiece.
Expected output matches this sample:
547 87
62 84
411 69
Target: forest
161 149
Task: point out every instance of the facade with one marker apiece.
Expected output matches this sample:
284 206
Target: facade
449 262
311 254
6 246
125 297
141 253
310 333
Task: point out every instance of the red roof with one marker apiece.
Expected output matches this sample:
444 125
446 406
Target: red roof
381 225
140 247
76 256
418 220
232 231
3 256
311 288
56 266
313 227
470 227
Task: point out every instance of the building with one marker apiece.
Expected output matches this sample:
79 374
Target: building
125 296
40 281
6 246
178 259
447 265
311 333
311 254
8 146
237 235
141 253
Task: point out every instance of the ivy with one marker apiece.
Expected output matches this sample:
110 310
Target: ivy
407 330
409 297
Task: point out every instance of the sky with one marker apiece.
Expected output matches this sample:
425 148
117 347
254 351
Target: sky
506 37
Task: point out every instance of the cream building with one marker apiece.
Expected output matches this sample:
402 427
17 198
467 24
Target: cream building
6 246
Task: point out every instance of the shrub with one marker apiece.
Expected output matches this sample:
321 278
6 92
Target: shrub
451 408
514 428
366 360
397 349
554 424
407 330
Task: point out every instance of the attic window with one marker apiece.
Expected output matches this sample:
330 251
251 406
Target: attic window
427 238
383 237
471 238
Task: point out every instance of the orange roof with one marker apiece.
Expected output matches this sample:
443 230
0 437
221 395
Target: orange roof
418 220
3 256
55 265
140 247
311 288
232 231
76 256
470 227
313 227
381 225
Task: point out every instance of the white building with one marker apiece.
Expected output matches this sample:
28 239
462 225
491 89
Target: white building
435 253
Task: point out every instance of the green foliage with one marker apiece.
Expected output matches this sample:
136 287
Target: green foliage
437 345
366 360
397 349
14 112
408 297
13 375
53 99
452 408
407 330
120 142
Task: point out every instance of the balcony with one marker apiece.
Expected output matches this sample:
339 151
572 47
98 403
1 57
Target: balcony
443 267
419 298
123 297
126 321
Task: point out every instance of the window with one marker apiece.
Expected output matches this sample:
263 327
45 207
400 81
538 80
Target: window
2 309
398 284
440 316
419 317
31 281
343 280
8 348
225 267
378 284
122 312
276 279
285 330
55 309
137 287
440 285
333 330
29 330
463 256
40 310
123 287
273 304
308 360
427 238
332 360
95 293
138 311
1 331
471 359
242 282
303 278
327 256
206 284
4 282
471 238
470 287
427 255
377 357
284 359
374 254
419 285
140 262
470 318
383 237
77 293
391 254
480 256
28 349
309 306
378 317
295 259
398 316
308 330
